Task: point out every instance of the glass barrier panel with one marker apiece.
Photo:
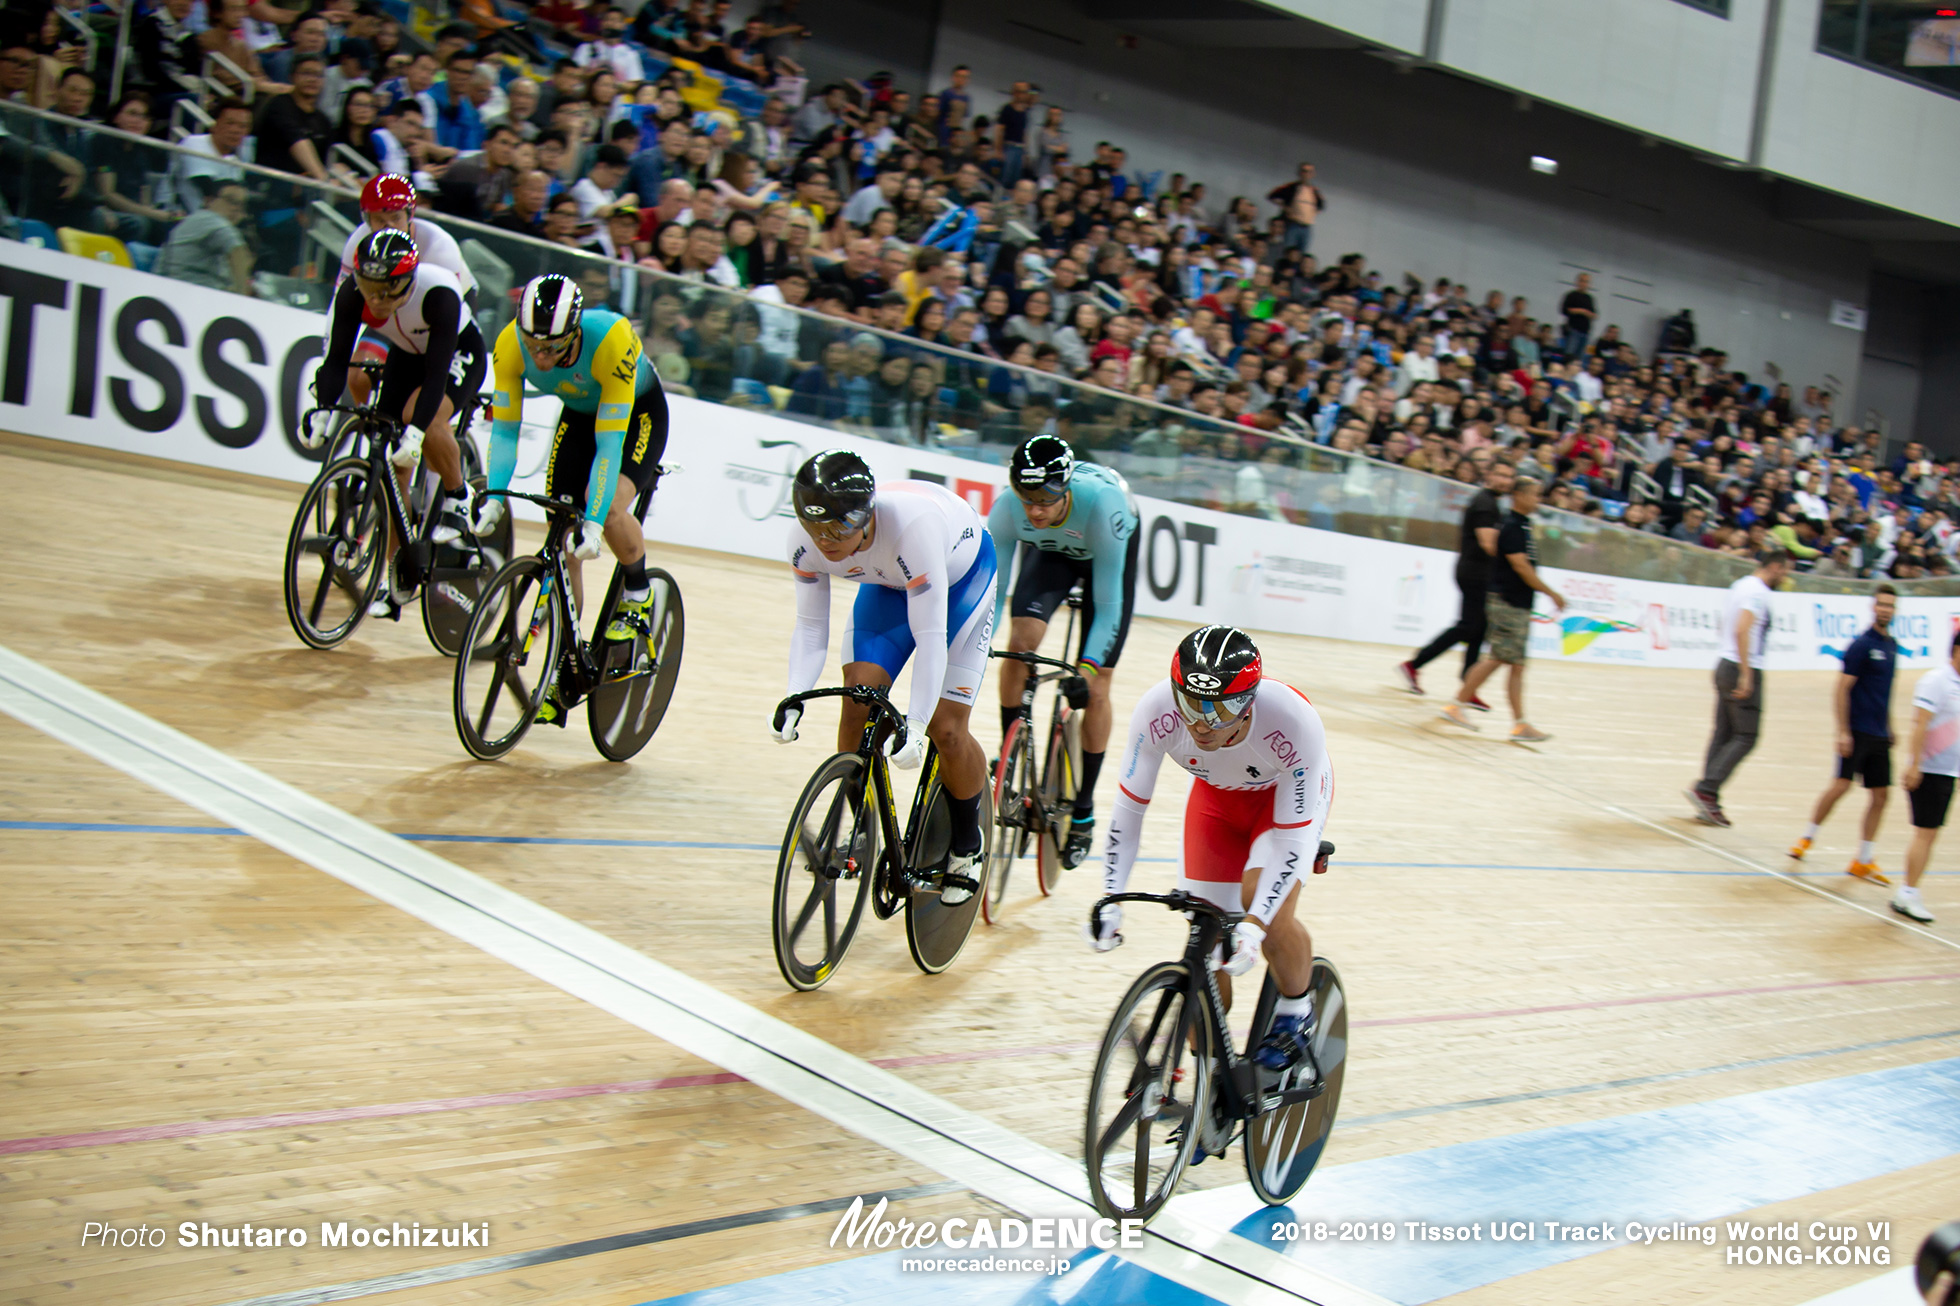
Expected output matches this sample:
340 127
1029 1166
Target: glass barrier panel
754 351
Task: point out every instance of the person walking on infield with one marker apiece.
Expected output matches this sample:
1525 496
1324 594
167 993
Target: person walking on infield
1476 548
1864 734
1928 779
1514 584
1738 682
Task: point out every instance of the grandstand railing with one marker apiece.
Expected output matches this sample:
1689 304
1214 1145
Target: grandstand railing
1164 452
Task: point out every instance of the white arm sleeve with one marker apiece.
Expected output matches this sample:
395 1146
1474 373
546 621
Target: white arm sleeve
1137 781
1300 804
809 643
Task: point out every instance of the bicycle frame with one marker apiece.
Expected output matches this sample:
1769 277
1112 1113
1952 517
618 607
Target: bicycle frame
1240 1091
894 880
561 518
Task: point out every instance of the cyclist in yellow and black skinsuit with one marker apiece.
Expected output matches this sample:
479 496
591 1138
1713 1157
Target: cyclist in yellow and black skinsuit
607 447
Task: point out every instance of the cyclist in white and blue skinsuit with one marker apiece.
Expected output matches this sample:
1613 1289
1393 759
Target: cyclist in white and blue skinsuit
925 566
1080 524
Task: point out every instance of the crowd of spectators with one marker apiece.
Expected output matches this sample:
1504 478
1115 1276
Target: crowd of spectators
1003 256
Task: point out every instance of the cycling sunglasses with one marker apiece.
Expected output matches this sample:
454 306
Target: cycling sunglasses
1211 713
1041 496
835 530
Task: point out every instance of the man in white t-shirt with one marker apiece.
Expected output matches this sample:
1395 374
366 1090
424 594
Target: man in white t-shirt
1739 681
1929 775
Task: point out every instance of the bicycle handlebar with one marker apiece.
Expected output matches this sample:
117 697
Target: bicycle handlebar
1176 900
870 695
1033 659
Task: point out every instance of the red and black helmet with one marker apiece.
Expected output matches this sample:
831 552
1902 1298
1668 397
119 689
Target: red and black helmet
1214 675
388 193
386 255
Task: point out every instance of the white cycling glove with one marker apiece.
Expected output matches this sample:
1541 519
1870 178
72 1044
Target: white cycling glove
1246 940
314 428
591 538
787 735
1107 932
489 512
913 753
409 451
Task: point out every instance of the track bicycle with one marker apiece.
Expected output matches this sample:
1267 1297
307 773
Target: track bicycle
843 846
336 549
1169 1082
1036 806
525 630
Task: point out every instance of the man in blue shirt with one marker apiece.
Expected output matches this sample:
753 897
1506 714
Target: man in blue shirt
1864 734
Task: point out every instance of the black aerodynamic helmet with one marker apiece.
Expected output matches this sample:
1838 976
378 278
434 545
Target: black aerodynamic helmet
1040 469
387 255
1214 675
833 493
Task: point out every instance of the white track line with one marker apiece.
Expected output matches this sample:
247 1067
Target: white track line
1462 746
1888 916
696 1017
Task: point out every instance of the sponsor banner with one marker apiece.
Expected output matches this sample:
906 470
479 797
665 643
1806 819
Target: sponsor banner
731 487
1656 624
106 356
102 355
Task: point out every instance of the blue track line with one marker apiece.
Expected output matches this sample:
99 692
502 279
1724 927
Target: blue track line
107 827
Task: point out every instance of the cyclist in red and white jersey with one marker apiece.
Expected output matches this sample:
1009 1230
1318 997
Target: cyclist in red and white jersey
1260 792
388 203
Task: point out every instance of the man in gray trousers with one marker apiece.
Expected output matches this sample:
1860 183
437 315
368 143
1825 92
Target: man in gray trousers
1739 681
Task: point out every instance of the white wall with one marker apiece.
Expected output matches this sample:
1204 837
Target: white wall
1656 66
1762 290
1847 129
1397 24
1689 76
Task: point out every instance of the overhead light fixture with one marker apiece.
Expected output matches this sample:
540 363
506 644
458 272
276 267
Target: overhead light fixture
1539 163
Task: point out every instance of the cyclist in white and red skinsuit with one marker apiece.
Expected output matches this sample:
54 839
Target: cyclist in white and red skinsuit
1261 789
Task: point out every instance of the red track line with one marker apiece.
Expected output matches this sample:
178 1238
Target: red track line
340 1115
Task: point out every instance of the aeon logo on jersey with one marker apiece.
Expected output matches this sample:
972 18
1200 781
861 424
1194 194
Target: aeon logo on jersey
1283 749
1163 727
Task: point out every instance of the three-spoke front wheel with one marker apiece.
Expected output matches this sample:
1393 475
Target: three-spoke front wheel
334 553
513 644
829 855
1148 1095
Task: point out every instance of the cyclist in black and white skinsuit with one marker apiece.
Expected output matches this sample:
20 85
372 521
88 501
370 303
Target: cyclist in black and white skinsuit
388 201
435 367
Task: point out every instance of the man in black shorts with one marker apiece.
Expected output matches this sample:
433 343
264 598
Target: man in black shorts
1080 524
1477 547
1929 774
1864 734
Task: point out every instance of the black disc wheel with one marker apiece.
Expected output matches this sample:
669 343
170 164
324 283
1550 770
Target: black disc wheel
933 931
1013 783
512 644
636 676
1147 1096
458 573
828 859
1283 1146
334 553
1059 770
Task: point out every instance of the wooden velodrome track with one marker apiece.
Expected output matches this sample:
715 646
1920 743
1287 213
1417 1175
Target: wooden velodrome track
199 1027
